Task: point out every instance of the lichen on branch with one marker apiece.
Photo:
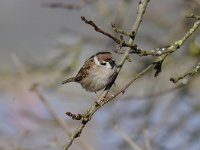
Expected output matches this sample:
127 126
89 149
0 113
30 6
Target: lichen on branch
131 49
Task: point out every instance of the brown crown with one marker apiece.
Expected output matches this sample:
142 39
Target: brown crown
106 56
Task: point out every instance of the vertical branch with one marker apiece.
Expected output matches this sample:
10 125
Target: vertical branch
89 113
141 11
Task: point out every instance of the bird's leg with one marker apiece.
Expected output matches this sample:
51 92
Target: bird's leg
100 99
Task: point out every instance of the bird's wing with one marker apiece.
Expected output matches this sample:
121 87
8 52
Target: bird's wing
84 71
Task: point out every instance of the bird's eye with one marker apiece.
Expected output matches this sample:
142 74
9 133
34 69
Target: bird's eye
103 63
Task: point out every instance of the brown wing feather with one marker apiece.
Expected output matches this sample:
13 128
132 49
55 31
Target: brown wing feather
83 72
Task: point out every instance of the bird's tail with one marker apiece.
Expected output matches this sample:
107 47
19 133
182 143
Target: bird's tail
68 80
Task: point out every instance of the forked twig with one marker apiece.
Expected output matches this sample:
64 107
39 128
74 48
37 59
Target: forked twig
88 115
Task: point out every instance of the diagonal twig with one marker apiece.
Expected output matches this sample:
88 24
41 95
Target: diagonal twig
89 113
56 117
192 72
132 144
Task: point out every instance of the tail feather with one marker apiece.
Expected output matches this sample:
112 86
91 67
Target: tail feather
68 80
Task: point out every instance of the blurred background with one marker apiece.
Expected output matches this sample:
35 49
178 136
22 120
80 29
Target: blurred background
44 42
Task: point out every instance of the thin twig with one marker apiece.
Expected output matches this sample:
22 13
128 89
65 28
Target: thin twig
120 42
192 72
118 30
157 94
89 113
175 46
51 110
160 51
132 144
55 115
147 142
67 5
87 116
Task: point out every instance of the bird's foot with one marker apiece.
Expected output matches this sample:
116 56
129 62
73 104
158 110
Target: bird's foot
101 100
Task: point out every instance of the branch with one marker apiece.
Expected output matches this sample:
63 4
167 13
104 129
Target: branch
141 11
86 117
118 30
120 41
56 117
132 144
147 140
54 114
175 46
165 50
189 73
63 5
157 64
67 5
157 94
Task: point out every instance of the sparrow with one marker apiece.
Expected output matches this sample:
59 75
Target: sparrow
96 73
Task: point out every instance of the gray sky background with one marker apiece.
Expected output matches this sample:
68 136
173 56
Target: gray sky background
28 28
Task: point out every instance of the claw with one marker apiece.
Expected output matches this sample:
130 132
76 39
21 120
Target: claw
101 99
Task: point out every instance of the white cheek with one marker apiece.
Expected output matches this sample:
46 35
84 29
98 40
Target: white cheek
108 66
96 61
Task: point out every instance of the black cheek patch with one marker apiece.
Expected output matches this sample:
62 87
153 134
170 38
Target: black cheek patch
112 63
103 63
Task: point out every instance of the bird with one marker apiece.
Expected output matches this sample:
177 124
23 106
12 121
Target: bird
96 73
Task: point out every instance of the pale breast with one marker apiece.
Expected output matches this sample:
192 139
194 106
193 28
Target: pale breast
97 79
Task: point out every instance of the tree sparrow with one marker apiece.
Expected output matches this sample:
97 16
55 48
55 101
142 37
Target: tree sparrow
97 72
